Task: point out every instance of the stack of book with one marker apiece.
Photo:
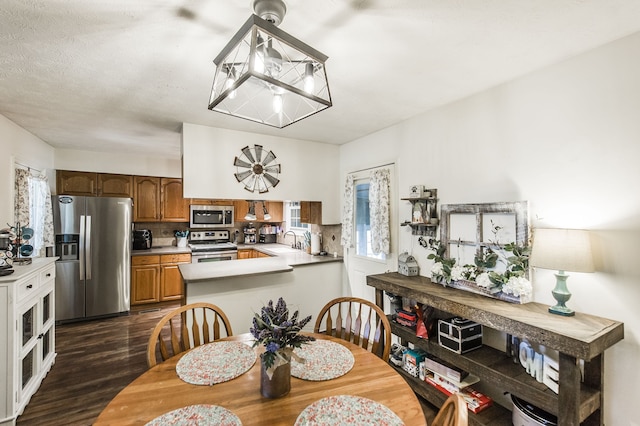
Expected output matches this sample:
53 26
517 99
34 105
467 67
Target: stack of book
406 318
449 379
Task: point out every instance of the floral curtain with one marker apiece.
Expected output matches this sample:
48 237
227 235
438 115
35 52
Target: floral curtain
347 213
379 210
21 203
33 208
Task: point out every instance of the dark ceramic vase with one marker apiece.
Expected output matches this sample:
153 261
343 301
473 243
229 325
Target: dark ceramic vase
280 383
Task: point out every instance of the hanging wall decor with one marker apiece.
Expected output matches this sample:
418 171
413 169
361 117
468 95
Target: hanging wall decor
257 169
484 249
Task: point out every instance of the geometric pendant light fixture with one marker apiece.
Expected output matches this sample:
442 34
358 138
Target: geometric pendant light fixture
268 76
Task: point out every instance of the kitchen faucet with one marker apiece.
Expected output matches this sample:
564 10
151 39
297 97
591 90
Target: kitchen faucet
294 238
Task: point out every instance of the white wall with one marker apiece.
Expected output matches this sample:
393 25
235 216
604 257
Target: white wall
565 138
120 163
309 169
18 145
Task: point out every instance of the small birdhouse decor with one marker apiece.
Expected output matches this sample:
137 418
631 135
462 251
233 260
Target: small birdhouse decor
407 265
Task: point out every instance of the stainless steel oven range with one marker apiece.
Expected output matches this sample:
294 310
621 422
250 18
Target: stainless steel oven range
211 246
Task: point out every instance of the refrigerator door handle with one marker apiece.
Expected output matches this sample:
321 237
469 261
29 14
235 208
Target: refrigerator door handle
88 248
82 246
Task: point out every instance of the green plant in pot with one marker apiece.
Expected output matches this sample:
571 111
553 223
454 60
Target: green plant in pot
280 335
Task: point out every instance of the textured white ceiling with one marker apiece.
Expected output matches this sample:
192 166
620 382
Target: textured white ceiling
122 75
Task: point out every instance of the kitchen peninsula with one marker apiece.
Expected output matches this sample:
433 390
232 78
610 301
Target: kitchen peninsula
242 287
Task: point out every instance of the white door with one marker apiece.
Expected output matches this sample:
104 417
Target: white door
360 260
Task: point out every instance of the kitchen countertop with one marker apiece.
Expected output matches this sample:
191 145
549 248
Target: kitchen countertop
161 250
283 259
292 256
23 270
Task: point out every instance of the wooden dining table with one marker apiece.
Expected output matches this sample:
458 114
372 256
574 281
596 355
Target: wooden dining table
160 390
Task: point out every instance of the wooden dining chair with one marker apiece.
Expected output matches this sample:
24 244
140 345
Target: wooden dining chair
453 412
186 327
358 321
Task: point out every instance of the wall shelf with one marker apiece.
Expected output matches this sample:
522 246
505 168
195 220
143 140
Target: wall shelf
583 337
424 214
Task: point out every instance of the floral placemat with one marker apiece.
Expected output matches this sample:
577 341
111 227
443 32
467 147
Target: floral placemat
324 360
197 415
215 362
347 409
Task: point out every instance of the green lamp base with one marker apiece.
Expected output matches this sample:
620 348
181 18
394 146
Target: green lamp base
562 295
561 310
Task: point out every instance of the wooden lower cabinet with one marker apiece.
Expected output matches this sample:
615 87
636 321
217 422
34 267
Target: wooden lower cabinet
156 278
171 284
245 253
145 279
250 254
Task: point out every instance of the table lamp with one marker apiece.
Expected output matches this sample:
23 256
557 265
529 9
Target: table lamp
562 250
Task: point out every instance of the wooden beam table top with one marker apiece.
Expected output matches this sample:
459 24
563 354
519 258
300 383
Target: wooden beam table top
160 390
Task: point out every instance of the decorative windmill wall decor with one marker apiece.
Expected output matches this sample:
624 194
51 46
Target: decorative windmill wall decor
256 169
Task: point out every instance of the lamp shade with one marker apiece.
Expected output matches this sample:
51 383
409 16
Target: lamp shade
268 76
562 250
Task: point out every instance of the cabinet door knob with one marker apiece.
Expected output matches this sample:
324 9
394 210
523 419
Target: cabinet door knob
49 274
30 286
40 336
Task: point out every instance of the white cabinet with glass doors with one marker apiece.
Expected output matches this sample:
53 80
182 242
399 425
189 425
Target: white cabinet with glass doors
27 334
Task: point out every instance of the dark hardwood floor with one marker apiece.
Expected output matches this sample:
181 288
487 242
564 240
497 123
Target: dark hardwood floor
96 359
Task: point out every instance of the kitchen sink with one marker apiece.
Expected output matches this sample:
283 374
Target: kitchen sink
282 250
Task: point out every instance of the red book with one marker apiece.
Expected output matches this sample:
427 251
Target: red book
476 401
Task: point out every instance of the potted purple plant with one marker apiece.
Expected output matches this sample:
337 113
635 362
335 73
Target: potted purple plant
280 335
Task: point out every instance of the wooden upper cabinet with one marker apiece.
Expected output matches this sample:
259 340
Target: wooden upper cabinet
91 184
275 209
210 202
173 207
76 183
311 212
241 207
110 185
146 199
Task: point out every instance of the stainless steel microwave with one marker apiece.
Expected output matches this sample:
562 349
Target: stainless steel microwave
210 216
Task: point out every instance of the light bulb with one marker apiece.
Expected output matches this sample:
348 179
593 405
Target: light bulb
231 80
251 214
277 103
309 83
258 59
265 213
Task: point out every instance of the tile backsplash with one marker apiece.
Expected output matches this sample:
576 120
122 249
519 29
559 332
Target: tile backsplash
164 234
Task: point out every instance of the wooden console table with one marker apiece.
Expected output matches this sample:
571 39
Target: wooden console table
582 337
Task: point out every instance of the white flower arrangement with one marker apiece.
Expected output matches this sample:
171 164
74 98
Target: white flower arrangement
518 286
513 281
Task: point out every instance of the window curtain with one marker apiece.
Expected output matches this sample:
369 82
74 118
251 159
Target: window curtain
347 213
21 203
33 208
379 211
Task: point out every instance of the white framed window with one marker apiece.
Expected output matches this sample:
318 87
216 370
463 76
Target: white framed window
292 217
362 221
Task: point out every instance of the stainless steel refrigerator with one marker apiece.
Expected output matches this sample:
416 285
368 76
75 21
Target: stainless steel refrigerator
93 243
